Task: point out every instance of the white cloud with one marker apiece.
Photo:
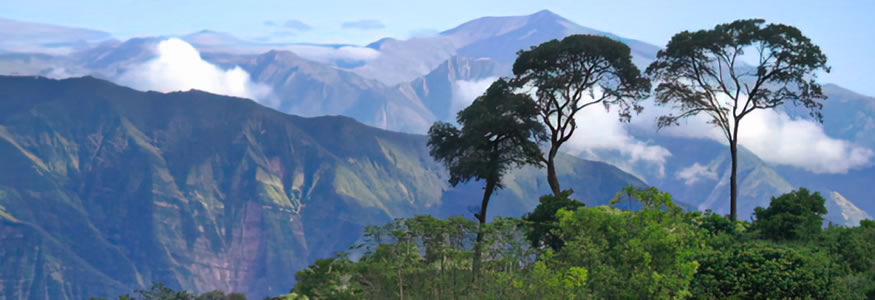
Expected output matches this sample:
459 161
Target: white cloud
62 73
326 54
465 91
179 67
775 137
600 129
694 173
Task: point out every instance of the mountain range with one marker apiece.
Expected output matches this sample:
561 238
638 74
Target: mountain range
203 191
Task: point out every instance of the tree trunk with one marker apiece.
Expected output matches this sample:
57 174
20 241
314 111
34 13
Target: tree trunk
733 179
490 186
551 170
400 284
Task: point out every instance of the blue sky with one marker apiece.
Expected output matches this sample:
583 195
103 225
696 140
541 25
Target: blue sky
845 30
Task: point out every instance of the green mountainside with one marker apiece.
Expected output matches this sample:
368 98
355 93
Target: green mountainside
104 189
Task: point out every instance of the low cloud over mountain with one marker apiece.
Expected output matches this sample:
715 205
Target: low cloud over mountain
465 91
778 138
179 67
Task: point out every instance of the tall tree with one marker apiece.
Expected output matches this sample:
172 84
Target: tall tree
572 74
500 130
707 72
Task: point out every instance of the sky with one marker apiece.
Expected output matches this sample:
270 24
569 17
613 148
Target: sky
844 29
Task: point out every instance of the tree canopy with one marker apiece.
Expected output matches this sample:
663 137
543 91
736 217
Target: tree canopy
543 222
792 216
499 130
571 74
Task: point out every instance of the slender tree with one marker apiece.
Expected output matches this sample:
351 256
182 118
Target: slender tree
572 74
499 130
707 71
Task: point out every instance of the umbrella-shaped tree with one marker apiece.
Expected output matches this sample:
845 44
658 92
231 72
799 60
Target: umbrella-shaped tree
577 72
706 72
499 130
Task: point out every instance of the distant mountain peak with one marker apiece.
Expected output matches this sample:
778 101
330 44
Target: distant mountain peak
546 14
841 211
208 37
497 25
376 45
273 53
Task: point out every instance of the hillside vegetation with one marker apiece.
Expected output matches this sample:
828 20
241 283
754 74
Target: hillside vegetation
657 252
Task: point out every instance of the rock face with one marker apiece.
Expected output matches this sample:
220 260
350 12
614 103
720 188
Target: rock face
104 189
840 211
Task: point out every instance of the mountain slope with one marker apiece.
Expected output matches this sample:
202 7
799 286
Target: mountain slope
309 88
105 189
850 116
440 88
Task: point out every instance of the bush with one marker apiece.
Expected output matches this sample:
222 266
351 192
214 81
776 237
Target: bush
762 270
543 222
797 215
631 255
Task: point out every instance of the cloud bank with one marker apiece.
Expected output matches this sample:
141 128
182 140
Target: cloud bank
326 54
600 129
777 138
179 67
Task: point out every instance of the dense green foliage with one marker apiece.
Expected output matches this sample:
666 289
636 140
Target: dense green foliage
795 215
761 270
160 292
656 252
544 223
631 254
